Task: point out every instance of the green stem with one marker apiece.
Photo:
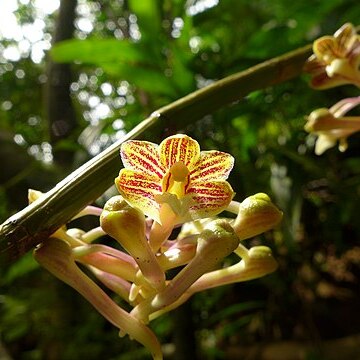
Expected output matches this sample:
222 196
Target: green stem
39 220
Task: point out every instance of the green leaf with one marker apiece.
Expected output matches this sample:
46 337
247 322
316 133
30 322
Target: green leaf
235 309
122 59
98 51
146 78
182 76
148 15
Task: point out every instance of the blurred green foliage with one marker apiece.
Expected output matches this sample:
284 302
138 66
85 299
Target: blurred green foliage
138 56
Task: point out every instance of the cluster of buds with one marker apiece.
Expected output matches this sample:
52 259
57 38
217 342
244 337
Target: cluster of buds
163 187
336 61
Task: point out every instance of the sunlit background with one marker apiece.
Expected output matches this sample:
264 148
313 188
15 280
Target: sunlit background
22 39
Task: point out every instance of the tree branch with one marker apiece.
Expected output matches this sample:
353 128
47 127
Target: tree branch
39 220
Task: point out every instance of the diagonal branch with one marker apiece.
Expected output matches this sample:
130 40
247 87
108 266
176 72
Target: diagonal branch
39 220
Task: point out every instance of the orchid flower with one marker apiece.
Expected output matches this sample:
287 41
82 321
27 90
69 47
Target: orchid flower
331 126
174 181
336 59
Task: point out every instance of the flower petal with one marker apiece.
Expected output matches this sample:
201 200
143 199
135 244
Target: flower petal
179 148
139 190
354 52
212 165
314 66
327 49
142 156
323 143
210 197
345 37
322 81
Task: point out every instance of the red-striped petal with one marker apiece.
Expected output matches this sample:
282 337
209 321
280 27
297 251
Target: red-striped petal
327 49
142 156
213 165
139 190
210 197
179 148
345 37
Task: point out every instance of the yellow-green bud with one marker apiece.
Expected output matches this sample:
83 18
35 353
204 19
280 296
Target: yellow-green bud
127 225
214 244
257 214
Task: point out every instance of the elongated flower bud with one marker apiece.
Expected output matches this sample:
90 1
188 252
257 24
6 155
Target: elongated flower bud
258 262
56 256
214 244
127 225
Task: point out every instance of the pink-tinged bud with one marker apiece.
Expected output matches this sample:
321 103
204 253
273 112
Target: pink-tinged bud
127 225
322 120
115 283
56 256
214 244
260 261
119 266
257 214
257 262
332 126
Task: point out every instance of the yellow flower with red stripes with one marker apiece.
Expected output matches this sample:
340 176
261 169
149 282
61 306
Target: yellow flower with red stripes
175 176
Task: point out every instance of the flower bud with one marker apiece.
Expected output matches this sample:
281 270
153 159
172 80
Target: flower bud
127 225
214 244
258 262
56 256
257 214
